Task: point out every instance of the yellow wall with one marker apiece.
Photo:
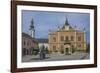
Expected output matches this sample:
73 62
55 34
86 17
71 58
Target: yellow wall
59 45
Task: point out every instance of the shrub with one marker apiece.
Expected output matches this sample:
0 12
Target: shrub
35 51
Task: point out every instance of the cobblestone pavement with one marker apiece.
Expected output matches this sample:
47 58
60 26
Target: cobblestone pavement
56 57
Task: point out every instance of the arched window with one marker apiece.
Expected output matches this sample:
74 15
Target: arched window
24 43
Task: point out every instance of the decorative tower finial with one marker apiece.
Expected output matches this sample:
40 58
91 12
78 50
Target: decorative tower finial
32 29
66 22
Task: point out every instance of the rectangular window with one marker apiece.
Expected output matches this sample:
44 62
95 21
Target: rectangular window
54 39
30 43
67 38
27 43
54 49
62 47
62 38
79 38
24 43
72 38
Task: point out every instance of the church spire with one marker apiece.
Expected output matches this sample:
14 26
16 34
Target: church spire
32 24
66 25
66 22
32 29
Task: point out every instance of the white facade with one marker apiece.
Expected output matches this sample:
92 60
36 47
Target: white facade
32 33
46 45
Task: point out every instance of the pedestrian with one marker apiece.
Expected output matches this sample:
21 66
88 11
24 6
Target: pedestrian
41 55
44 54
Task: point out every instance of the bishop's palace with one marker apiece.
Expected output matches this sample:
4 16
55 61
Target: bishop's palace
65 40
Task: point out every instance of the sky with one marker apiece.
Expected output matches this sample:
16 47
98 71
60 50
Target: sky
47 20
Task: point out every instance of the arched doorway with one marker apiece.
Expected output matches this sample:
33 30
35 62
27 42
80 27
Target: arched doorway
67 48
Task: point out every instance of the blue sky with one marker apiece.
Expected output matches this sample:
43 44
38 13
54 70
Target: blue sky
46 20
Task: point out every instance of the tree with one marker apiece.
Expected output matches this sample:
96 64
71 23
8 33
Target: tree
35 51
47 51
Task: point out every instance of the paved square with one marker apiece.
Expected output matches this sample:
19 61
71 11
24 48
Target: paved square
56 57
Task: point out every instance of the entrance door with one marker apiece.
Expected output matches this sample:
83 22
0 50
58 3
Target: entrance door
66 50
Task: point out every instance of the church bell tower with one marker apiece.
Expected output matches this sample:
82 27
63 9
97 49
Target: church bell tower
32 29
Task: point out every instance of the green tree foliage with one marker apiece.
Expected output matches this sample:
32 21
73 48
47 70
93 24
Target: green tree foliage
35 51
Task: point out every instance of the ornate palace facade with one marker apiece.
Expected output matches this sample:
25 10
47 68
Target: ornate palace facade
66 40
